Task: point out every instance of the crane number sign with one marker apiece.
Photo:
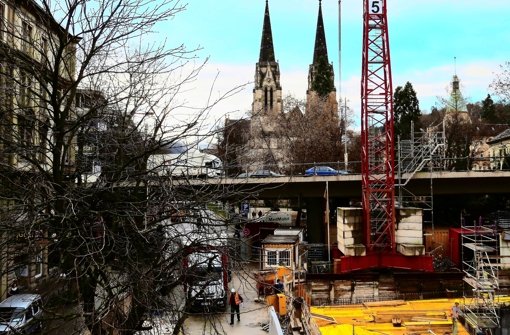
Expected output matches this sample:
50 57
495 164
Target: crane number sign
375 6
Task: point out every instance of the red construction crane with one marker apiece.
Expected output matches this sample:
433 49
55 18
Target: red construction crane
378 166
378 177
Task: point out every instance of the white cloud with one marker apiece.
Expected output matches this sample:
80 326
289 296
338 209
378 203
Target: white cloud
225 88
433 83
215 80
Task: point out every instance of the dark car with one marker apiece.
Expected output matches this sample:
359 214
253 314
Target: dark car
324 170
260 174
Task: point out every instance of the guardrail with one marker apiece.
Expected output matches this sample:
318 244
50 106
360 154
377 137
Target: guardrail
488 164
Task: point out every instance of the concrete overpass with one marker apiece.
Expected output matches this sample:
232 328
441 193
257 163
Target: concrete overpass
349 186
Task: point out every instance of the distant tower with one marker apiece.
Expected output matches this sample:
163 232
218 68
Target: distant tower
267 101
456 103
321 78
456 107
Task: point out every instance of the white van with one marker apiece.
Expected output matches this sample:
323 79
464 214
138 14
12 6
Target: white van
21 314
191 163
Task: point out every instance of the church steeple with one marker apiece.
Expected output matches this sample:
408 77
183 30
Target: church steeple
267 105
320 50
320 75
267 98
266 45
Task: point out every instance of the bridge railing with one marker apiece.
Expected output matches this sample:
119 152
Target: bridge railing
488 164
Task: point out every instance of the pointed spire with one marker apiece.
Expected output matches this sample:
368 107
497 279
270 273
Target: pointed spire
266 45
320 76
321 49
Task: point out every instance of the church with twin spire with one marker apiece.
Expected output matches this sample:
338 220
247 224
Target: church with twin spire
273 131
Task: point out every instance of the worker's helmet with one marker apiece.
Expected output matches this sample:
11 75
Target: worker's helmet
233 290
457 302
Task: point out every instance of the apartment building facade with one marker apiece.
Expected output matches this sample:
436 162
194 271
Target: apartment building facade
37 65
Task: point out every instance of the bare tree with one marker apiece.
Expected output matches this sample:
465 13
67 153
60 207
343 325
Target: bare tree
313 136
89 98
233 144
501 84
459 137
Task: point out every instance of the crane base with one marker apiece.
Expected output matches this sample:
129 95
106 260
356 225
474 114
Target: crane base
346 264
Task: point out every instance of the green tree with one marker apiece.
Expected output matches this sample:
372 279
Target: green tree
323 80
406 110
488 110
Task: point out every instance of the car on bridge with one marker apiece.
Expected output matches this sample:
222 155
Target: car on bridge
264 173
323 170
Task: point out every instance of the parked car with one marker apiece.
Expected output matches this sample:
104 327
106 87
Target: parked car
264 173
21 314
323 170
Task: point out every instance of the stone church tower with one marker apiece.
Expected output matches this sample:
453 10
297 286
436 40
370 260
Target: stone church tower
271 145
321 93
265 151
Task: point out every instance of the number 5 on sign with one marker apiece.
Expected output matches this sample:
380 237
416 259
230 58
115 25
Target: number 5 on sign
375 6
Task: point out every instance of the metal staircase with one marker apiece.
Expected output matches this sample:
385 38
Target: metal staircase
423 149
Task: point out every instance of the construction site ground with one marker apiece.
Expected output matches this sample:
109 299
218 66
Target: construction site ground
396 317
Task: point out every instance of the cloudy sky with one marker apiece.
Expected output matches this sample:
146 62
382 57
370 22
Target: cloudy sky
430 40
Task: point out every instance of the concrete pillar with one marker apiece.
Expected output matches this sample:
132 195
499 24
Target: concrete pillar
315 220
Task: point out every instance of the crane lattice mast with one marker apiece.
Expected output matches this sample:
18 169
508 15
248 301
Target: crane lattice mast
378 178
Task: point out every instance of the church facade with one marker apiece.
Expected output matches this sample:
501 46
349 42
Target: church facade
277 136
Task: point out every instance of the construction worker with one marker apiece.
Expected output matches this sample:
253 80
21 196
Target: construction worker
278 287
234 302
455 317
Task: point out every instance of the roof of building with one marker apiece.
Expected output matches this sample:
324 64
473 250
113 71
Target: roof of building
280 239
500 137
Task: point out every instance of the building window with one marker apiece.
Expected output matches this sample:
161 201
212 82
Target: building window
25 89
3 86
26 124
2 21
21 265
39 264
43 140
6 86
278 257
44 50
26 42
284 258
265 97
272 258
43 98
11 14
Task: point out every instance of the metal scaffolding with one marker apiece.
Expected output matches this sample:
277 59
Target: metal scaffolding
423 152
480 264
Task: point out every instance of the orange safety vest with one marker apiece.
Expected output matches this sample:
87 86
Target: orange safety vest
236 298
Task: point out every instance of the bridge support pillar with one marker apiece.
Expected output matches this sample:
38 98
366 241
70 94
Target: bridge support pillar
316 231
